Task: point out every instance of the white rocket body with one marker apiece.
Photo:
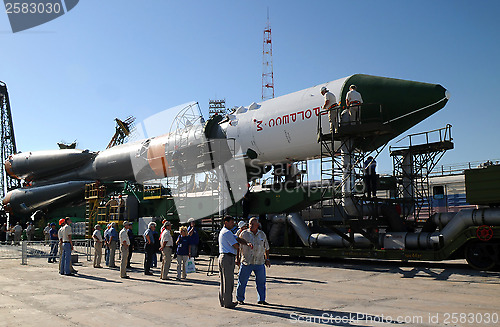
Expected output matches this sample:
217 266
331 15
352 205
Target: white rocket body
283 128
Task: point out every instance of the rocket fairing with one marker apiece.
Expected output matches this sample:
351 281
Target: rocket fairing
278 130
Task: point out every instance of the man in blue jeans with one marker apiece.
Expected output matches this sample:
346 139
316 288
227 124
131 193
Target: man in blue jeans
253 259
67 247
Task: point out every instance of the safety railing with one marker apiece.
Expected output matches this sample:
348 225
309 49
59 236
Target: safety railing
42 249
439 135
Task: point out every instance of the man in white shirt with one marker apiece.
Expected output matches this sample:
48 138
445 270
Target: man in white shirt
62 223
98 240
67 247
166 243
330 105
353 101
18 231
124 247
46 231
30 231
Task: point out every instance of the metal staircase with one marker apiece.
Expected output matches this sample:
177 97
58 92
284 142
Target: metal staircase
94 194
413 163
343 156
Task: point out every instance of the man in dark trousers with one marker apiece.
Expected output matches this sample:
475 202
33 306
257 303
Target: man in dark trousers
370 166
132 245
228 245
194 238
149 247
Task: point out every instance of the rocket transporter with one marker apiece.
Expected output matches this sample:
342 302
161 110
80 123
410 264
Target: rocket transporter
243 145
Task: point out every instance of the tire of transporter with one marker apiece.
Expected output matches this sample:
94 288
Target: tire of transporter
482 255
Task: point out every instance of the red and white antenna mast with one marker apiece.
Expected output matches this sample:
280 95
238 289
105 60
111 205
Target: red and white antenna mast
267 63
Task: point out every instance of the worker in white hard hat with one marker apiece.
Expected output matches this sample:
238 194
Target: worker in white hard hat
330 105
353 101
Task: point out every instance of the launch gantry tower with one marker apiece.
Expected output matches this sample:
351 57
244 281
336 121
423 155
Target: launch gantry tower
217 107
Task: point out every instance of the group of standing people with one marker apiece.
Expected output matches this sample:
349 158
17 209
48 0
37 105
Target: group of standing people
110 241
248 248
16 232
59 240
186 247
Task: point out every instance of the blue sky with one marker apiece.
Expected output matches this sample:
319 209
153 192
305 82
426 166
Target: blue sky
69 78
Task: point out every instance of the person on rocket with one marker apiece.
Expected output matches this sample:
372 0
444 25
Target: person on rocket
330 105
353 101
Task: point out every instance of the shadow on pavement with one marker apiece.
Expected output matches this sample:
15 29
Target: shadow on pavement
303 315
291 280
99 279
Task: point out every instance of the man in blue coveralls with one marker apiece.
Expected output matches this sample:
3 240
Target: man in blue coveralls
54 241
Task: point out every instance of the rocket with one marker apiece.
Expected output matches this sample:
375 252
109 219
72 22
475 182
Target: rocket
279 130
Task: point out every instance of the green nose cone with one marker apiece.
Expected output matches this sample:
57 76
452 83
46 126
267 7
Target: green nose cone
396 104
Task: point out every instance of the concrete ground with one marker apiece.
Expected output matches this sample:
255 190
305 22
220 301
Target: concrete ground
300 292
